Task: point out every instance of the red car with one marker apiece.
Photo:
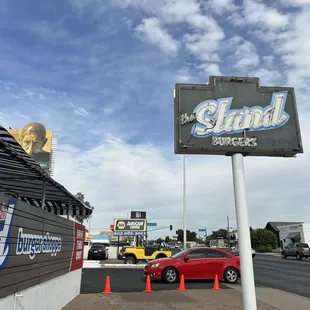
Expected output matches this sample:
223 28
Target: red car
195 264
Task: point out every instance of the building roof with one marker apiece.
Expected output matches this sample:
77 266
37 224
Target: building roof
23 178
100 237
275 225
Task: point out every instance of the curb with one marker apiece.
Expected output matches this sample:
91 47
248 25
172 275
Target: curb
97 264
238 288
91 264
269 254
120 266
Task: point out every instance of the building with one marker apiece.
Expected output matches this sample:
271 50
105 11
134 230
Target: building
233 238
273 227
294 233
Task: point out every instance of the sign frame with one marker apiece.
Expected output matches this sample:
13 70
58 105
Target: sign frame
138 215
245 95
123 225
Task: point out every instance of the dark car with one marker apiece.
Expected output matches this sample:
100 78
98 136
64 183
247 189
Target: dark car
122 251
298 250
195 264
98 252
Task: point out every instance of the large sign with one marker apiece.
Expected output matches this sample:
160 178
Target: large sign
35 246
138 215
236 115
36 142
129 227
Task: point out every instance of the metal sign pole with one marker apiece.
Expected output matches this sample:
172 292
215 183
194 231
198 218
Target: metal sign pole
245 253
184 204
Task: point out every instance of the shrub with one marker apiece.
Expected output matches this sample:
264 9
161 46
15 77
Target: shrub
263 249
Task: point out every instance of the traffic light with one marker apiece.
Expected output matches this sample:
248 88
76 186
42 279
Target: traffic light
170 227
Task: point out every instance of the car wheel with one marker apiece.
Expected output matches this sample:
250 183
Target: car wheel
231 275
298 256
283 255
170 275
130 260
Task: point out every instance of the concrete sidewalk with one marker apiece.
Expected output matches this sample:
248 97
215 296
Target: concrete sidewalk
278 299
165 300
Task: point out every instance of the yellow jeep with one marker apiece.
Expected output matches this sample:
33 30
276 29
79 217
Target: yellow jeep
150 252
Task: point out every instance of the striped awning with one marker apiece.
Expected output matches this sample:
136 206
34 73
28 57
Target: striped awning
23 178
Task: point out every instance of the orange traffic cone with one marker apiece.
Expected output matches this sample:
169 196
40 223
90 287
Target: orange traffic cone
107 287
216 286
182 284
148 288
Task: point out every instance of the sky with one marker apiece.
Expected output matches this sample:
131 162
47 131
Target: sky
101 75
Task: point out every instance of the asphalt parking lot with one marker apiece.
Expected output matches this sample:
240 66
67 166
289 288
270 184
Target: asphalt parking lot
130 280
289 274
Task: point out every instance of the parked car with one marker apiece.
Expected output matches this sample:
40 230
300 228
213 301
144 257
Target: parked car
199 246
235 251
122 251
298 250
98 252
195 264
150 252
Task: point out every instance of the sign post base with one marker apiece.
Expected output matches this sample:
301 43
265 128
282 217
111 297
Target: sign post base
244 238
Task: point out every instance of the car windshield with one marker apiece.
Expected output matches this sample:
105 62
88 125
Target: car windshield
97 247
179 254
302 245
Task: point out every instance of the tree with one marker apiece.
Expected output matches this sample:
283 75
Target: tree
159 241
167 239
221 233
190 235
263 238
80 196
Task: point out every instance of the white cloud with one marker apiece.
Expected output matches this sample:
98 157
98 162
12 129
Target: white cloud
118 177
294 3
121 97
246 56
257 13
293 46
178 11
204 45
268 77
152 32
220 6
211 69
269 60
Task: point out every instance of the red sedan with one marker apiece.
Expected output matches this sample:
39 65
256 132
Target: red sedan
195 264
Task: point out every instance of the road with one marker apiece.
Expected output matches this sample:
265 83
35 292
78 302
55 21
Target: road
289 274
130 280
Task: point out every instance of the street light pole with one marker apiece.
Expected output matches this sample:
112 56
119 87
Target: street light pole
184 204
246 262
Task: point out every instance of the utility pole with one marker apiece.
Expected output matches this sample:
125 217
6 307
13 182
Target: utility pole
228 233
184 204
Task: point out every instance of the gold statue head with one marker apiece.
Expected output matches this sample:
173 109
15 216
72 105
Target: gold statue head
33 138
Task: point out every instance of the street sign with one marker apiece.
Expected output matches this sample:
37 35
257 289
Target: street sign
129 233
138 215
152 224
129 225
202 230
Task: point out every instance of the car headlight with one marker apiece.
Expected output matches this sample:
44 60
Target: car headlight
155 266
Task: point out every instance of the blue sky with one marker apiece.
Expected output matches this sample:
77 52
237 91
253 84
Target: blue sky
101 75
